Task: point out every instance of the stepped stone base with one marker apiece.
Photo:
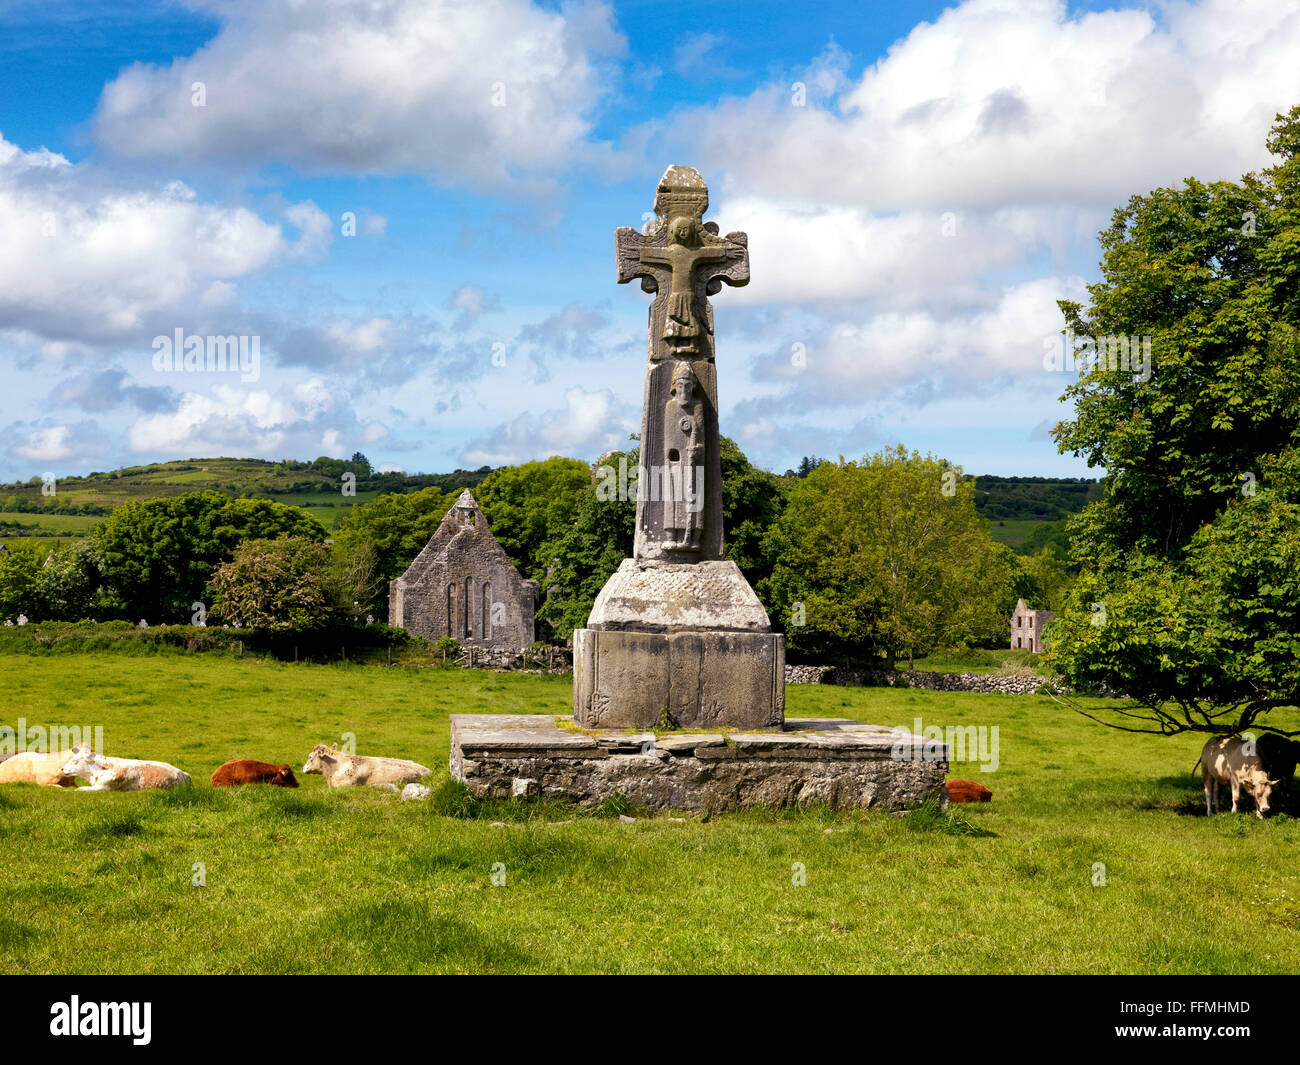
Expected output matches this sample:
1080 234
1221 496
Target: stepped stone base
842 763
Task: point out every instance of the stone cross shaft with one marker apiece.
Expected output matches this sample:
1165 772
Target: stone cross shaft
682 260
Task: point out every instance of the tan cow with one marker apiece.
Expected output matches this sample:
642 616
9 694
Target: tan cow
30 767
1227 761
124 774
348 770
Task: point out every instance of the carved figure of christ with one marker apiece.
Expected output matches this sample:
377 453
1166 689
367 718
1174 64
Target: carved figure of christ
682 255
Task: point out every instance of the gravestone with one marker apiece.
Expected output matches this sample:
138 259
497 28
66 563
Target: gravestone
677 637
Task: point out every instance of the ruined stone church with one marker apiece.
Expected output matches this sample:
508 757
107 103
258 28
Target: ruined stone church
463 585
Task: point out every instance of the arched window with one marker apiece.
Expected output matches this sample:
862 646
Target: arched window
469 629
451 606
486 629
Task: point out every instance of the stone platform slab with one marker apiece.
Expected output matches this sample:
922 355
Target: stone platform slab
842 763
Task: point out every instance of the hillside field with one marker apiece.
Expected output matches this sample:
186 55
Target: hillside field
352 880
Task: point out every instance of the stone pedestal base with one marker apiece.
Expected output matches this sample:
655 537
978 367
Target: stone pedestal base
844 764
691 679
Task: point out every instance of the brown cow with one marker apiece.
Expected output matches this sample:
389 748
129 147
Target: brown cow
247 771
966 791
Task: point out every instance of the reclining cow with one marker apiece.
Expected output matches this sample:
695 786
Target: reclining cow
123 774
1226 761
348 770
32 767
247 771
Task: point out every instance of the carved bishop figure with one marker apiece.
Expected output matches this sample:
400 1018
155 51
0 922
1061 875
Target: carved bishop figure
683 261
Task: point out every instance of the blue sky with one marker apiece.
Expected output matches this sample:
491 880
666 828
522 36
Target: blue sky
919 183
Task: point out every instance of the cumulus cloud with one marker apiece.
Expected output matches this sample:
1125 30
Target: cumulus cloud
1020 101
107 389
85 258
385 350
587 424
482 93
48 442
294 419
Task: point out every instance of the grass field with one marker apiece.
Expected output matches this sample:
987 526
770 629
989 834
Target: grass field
352 880
1013 532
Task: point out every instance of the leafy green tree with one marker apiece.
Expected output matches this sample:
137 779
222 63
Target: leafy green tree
1040 579
588 551
1182 599
156 556
281 585
394 527
532 504
20 569
1211 273
752 499
885 557
67 583
581 558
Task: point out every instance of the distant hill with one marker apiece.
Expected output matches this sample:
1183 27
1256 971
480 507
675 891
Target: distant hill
79 502
1029 512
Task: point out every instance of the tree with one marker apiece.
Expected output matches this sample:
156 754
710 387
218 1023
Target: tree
885 557
581 558
67 582
392 529
20 568
156 556
280 584
752 499
586 553
529 505
1181 603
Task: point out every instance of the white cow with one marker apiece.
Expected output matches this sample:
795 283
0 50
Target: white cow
123 774
48 770
1226 761
345 770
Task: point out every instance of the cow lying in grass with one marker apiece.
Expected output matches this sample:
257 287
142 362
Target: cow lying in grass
348 770
966 791
247 771
1225 761
29 767
123 774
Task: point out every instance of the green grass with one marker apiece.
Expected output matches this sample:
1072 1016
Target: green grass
975 660
1014 531
352 880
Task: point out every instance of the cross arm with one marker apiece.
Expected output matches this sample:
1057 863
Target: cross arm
628 245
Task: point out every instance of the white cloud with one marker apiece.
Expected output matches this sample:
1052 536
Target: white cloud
236 420
802 253
483 92
87 259
1020 101
45 445
587 424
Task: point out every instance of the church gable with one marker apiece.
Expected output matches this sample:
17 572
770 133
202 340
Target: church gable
464 585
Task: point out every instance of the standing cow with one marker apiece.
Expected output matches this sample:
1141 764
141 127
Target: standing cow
1228 760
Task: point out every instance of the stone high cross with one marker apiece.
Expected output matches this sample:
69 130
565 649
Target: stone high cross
683 261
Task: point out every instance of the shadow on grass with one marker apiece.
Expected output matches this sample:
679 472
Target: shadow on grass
402 936
929 817
111 826
14 934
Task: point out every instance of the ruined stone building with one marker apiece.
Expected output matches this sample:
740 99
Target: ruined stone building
1027 627
463 585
